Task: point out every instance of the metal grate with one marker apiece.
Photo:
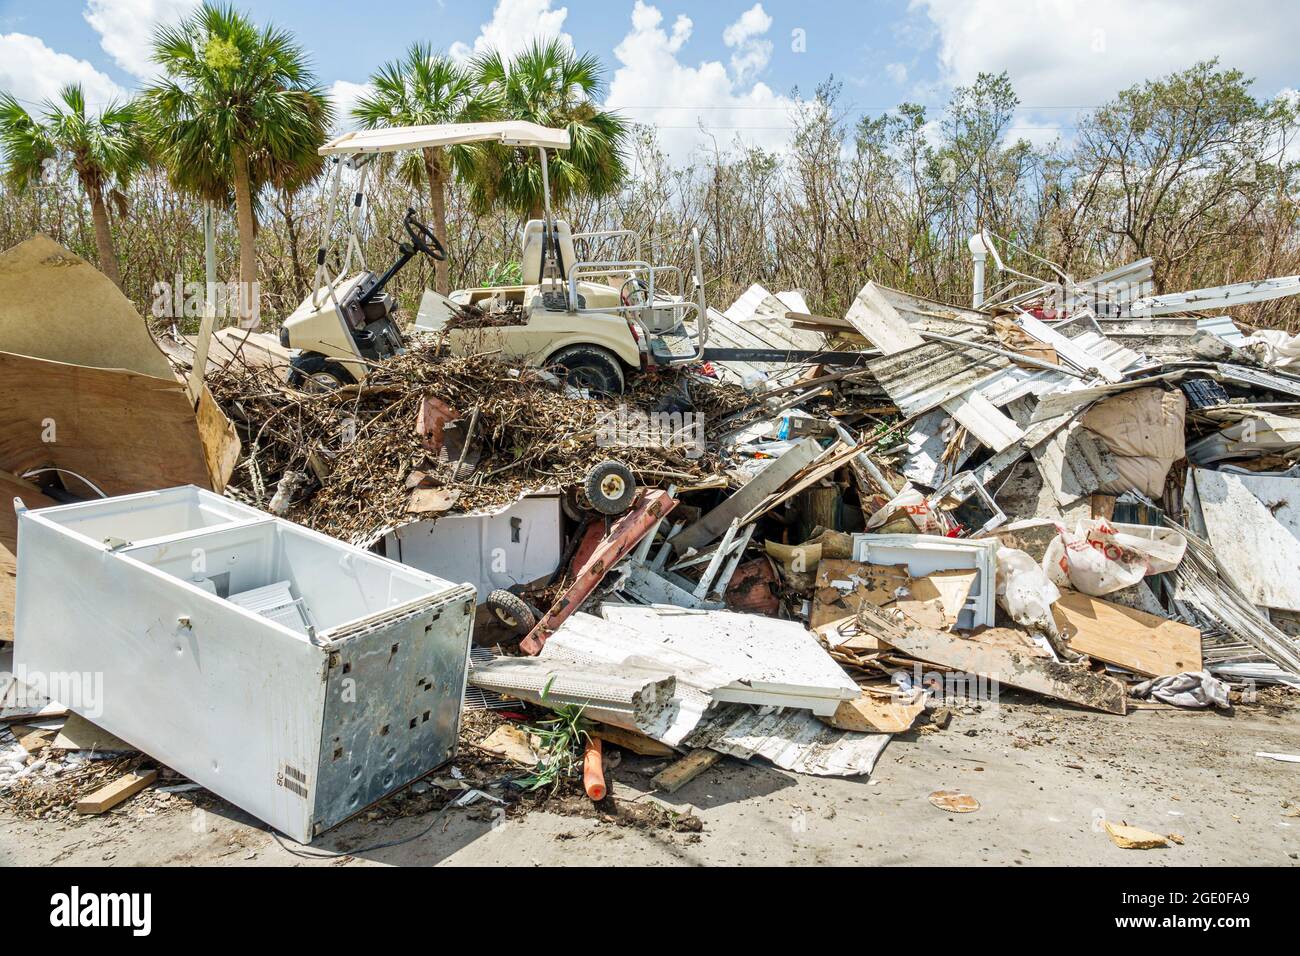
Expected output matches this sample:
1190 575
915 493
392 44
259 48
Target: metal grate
477 698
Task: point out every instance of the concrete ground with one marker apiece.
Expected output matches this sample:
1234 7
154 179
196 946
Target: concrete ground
1045 777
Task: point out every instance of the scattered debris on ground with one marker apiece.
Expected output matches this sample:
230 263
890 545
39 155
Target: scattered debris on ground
1078 493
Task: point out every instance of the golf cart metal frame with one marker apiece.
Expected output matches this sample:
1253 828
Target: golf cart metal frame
633 335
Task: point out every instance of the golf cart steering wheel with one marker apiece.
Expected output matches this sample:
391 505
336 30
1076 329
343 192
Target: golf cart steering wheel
422 237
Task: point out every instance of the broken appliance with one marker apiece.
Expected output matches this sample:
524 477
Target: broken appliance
298 677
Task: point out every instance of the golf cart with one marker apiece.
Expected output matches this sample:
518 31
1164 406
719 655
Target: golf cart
592 321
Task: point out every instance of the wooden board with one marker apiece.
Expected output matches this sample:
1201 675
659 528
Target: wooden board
78 733
106 798
1073 684
124 431
1143 643
830 605
673 778
219 440
633 741
877 713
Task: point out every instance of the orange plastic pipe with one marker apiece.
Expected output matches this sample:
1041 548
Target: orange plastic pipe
593 770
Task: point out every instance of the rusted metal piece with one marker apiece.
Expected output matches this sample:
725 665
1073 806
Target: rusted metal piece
433 416
753 588
624 535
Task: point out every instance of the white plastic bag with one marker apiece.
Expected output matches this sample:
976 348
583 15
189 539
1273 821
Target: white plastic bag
911 502
1025 592
1101 557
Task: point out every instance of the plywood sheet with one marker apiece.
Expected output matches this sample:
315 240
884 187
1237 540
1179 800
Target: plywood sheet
1143 643
123 431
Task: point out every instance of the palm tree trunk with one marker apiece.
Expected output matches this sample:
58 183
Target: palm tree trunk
103 238
248 313
438 203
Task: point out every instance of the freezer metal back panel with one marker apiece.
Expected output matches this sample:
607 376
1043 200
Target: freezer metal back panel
392 703
278 667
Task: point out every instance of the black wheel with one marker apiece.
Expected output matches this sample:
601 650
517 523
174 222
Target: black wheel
589 367
610 487
512 611
316 373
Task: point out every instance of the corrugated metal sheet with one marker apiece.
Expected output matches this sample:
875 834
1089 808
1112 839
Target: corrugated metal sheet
1214 601
924 377
1223 327
757 321
794 740
927 315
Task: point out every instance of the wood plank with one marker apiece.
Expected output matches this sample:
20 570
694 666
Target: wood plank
1143 643
876 714
78 733
633 741
1072 684
106 798
673 778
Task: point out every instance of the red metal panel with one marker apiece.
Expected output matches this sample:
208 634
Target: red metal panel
624 535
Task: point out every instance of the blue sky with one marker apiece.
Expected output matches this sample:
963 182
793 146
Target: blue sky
731 65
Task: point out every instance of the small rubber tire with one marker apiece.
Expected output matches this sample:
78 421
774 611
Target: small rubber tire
316 373
512 611
590 367
610 487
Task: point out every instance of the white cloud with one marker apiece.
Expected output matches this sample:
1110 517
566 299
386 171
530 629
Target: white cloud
897 73
653 86
33 73
753 53
344 95
515 24
1072 53
125 29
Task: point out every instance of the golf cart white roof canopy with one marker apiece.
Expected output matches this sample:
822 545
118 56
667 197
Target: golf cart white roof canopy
508 132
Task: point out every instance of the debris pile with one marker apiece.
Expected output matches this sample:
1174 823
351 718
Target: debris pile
1078 491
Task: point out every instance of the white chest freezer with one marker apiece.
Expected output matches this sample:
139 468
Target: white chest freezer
298 677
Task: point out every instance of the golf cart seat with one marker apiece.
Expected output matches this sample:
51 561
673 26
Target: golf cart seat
530 264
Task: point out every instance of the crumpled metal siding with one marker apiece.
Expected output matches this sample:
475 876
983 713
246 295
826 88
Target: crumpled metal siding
924 377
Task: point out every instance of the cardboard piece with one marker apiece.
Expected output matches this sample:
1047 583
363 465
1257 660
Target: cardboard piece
55 305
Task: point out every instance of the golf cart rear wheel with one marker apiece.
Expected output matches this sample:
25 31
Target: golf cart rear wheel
512 611
610 487
316 373
589 367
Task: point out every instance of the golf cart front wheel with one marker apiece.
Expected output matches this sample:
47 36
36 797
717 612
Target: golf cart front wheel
512 611
610 487
316 373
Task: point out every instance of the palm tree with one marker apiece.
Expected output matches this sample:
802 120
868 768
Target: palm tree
105 150
238 109
551 85
421 89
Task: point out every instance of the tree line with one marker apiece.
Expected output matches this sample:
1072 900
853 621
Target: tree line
1191 169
